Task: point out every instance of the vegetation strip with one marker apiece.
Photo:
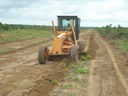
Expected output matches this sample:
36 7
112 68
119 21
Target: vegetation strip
121 78
9 50
116 35
76 75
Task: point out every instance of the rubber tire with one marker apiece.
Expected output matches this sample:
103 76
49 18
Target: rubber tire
41 58
81 46
74 53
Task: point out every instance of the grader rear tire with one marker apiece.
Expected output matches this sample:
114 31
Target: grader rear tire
42 55
74 53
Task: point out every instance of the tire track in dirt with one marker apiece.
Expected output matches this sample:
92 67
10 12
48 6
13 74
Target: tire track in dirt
121 78
34 76
21 45
23 79
103 80
21 71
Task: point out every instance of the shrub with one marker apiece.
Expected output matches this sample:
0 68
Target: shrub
82 70
54 82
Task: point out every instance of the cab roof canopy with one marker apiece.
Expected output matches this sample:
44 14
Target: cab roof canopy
68 17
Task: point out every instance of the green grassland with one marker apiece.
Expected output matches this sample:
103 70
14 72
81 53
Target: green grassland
123 45
12 33
117 35
7 36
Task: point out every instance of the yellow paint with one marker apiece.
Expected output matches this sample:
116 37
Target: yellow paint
57 46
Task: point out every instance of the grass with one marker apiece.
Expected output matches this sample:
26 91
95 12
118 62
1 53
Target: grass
65 63
7 36
55 82
8 50
4 51
122 45
67 86
72 65
75 78
116 35
85 57
82 70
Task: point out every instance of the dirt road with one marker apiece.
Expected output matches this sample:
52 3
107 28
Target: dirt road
22 75
20 72
105 79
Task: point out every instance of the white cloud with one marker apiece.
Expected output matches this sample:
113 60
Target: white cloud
91 12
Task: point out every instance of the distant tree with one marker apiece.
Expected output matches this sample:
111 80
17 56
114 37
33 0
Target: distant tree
107 29
6 27
1 25
120 31
119 28
110 25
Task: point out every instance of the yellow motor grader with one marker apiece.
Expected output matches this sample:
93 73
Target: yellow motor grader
66 41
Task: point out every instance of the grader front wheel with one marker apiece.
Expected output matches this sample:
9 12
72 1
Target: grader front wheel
42 55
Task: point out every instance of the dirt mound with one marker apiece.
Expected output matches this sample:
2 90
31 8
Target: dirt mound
45 85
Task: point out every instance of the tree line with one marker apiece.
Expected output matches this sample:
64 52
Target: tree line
19 26
118 32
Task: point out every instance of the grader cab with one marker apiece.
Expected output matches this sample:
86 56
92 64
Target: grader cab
66 41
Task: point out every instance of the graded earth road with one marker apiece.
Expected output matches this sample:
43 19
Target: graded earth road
22 75
20 72
106 77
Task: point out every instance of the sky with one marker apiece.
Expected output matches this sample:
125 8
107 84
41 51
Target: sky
93 13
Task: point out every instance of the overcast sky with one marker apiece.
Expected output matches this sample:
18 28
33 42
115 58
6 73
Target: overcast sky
42 12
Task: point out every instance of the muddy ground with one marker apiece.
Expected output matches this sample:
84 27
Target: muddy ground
22 75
